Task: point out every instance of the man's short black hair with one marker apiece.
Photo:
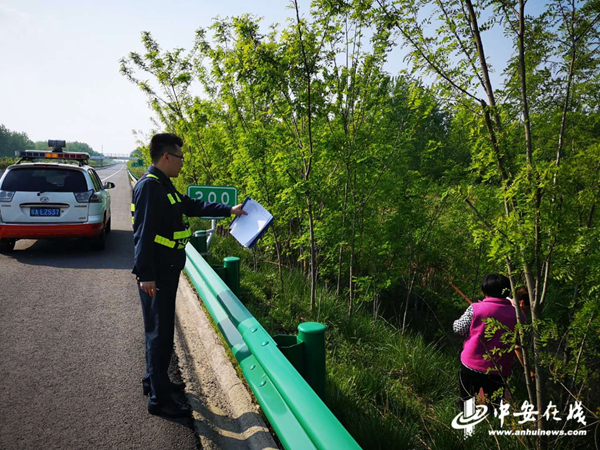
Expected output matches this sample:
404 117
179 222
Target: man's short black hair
495 285
162 143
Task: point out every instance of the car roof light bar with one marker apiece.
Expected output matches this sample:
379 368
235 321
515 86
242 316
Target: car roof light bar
27 155
31 154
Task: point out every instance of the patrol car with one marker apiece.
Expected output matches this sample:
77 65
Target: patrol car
41 197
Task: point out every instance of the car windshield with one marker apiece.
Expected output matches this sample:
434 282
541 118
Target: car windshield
44 180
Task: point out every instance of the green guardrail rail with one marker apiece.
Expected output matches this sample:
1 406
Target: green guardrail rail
297 414
131 175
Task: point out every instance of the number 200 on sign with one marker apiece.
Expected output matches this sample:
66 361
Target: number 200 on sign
214 194
212 197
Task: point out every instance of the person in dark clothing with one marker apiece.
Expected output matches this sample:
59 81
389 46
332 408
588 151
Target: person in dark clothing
160 234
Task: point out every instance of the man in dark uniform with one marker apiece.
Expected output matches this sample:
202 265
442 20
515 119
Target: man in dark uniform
160 234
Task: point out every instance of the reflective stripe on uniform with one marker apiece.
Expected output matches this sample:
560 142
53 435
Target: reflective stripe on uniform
164 241
132 207
174 200
180 238
182 234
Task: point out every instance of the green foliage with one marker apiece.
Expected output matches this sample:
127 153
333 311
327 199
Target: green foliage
390 390
12 141
386 190
5 162
143 153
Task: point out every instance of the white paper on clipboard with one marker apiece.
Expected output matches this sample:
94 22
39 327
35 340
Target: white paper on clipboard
246 229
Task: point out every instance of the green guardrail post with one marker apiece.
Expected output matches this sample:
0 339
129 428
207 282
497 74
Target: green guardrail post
312 334
232 274
198 240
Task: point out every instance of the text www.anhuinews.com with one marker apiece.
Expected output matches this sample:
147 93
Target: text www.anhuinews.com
537 432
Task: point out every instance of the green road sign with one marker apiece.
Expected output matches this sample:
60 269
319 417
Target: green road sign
214 194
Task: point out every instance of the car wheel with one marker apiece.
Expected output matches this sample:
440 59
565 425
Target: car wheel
99 242
7 245
109 225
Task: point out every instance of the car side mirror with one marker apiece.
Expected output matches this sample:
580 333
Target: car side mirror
109 185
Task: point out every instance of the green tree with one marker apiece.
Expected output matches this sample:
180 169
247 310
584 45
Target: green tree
520 155
12 141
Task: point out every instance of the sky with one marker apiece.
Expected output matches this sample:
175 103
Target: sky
59 70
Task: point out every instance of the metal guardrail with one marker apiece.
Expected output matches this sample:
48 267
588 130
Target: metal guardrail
132 176
297 414
299 417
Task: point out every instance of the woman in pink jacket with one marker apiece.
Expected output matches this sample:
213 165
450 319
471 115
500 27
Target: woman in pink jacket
490 372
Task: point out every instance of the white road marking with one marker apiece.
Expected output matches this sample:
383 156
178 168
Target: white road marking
113 174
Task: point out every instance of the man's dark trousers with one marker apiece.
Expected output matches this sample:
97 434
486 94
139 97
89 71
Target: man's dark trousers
159 326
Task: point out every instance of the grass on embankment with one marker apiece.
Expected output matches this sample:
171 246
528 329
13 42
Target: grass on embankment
389 390
136 171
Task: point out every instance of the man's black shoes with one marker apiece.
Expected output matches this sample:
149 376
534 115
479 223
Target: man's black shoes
170 409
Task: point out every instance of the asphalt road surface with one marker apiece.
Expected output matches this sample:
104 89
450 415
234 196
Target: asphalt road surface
72 344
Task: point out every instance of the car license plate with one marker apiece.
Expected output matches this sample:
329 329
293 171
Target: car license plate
44 212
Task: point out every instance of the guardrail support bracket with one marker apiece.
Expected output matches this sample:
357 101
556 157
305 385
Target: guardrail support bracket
198 240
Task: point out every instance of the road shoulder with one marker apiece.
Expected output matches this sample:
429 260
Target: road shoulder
224 415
